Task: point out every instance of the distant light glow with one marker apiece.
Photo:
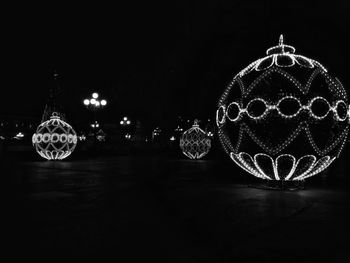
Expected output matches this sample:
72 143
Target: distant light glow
20 135
178 129
97 104
86 102
172 138
128 122
125 118
93 101
95 95
95 125
103 102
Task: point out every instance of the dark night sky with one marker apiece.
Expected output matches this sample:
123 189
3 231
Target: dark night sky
155 61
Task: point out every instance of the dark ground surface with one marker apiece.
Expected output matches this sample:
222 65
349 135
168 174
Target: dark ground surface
133 209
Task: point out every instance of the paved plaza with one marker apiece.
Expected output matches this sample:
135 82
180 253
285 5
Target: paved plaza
171 210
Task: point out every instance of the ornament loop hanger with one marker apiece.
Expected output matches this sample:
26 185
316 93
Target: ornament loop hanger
55 115
281 48
196 123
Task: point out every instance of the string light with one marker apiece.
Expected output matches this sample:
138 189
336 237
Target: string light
305 167
270 107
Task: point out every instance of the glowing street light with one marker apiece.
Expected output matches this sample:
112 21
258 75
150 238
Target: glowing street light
93 103
125 121
95 125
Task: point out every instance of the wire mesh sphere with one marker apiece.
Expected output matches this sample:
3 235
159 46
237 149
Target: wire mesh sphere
283 117
194 142
54 139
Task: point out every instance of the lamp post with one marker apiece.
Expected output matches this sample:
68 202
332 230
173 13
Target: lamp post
94 103
125 123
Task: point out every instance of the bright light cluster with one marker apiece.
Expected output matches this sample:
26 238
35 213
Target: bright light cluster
94 101
194 142
54 139
297 103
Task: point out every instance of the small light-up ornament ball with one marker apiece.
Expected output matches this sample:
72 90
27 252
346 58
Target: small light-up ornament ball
194 142
284 117
54 139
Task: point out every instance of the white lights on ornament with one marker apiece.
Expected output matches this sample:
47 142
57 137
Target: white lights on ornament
281 56
194 142
262 165
280 100
54 139
239 111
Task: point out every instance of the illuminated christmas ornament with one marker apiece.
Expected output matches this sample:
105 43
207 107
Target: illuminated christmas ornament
54 139
194 142
283 117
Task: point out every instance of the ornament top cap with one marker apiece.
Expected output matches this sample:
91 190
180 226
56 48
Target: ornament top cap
281 48
196 123
55 115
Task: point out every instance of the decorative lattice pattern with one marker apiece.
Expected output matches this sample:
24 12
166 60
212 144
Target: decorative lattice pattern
309 110
195 143
54 139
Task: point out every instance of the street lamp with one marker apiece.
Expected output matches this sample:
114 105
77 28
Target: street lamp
125 121
93 103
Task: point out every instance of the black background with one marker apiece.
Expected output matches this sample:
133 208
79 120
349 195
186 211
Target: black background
156 60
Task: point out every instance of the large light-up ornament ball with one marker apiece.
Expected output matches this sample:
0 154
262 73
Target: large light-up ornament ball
283 117
54 139
194 142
